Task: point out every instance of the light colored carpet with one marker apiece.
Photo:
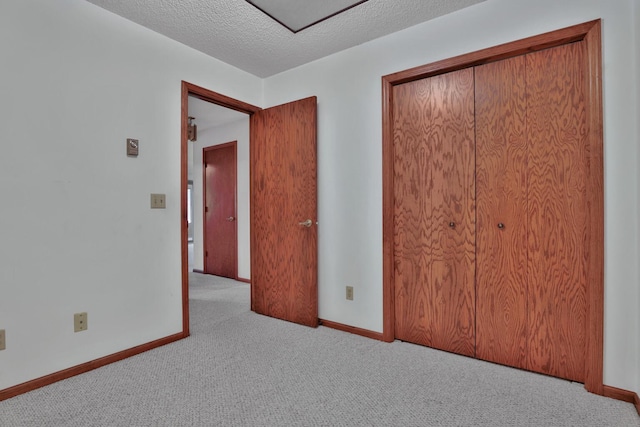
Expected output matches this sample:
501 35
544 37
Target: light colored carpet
242 369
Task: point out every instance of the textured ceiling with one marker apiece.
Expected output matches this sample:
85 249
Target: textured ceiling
297 15
239 34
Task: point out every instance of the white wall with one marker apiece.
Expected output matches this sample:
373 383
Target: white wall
350 154
636 27
235 131
76 231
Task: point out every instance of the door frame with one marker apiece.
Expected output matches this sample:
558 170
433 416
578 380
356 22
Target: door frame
590 34
190 89
233 144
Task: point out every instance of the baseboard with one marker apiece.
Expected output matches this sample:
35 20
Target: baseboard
28 386
352 329
624 395
196 270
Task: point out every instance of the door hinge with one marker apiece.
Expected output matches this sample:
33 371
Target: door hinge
206 208
206 253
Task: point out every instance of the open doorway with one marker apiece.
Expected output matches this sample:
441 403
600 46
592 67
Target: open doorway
283 192
221 241
188 154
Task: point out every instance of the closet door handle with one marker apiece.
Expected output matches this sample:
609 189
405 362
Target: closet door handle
452 224
500 225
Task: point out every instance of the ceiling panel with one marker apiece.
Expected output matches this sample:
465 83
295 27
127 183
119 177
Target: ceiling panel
239 34
296 15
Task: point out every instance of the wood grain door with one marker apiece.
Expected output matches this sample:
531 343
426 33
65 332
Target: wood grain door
502 217
220 225
539 203
434 218
532 203
557 206
284 212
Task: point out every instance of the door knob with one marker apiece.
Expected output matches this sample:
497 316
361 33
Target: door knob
306 223
452 224
500 225
230 219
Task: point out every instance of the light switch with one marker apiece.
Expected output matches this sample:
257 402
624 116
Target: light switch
158 201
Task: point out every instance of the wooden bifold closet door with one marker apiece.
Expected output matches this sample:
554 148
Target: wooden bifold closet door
531 234
503 223
434 246
489 211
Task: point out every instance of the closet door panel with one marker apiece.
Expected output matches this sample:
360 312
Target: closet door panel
502 222
413 195
453 270
557 205
434 249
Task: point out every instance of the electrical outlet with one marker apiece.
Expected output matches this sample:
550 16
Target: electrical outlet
80 322
3 340
350 293
158 201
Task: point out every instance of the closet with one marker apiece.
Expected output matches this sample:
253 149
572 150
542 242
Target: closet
491 228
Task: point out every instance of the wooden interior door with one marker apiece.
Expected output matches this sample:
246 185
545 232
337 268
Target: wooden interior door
557 206
532 204
284 267
220 225
434 212
502 217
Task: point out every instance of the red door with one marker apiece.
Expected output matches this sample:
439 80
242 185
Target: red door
220 226
284 251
